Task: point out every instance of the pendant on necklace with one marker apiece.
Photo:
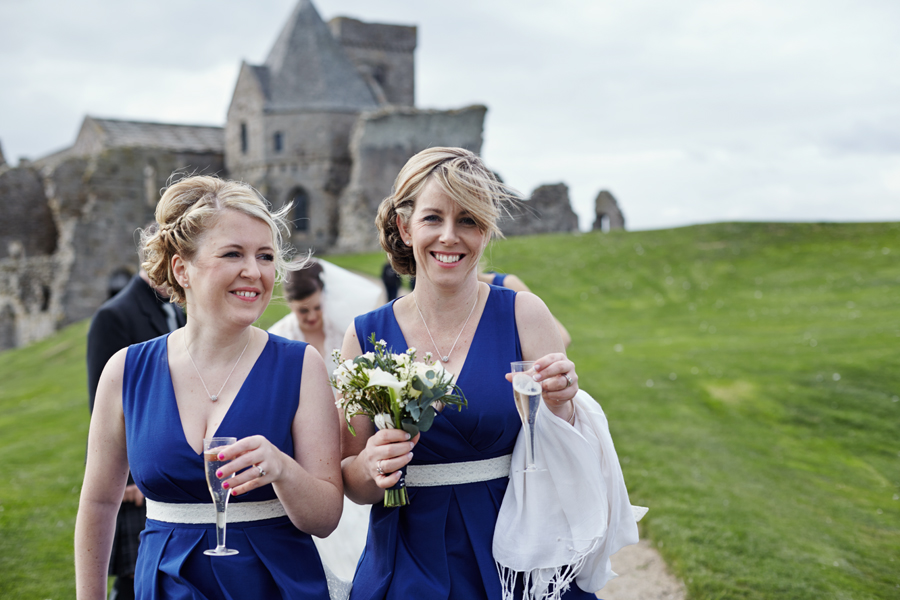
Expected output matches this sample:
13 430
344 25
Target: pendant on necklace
445 358
213 398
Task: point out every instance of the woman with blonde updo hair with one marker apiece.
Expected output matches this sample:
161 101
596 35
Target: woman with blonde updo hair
218 248
435 225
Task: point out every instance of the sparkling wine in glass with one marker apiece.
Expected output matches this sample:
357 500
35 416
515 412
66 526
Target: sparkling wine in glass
527 393
211 449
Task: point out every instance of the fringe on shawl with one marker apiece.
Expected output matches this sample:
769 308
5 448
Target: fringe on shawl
535 583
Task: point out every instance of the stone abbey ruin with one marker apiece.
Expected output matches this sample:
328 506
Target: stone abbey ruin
325 122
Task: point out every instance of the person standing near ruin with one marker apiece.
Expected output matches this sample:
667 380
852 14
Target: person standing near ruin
436 225
219 251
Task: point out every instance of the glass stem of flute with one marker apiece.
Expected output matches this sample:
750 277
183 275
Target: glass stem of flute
220 528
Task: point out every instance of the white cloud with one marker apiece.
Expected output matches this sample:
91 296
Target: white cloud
696 111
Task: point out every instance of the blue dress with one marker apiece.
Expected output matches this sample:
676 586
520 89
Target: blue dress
276 559
439 546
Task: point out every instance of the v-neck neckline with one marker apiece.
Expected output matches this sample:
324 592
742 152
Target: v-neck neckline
474 335
237 396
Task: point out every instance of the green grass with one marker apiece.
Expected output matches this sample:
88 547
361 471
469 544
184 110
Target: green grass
749 372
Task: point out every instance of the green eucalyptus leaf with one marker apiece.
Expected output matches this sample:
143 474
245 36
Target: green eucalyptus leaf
414 408
410 427
426 419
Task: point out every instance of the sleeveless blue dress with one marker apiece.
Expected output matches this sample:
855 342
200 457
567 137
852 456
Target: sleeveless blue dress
439 546
276 559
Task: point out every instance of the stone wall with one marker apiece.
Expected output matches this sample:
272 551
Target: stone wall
100 202
382 142
27 227
547 211
384 56
317 160
29 292
31 281
609 216
95 205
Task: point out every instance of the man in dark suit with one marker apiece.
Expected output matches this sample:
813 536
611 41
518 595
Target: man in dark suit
136 314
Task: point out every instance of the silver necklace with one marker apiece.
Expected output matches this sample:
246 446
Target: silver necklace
215 397
447 357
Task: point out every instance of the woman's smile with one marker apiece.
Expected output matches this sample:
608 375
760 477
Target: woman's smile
447 259
247 294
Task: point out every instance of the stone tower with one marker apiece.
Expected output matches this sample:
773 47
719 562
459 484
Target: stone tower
383 55
290 119
609 215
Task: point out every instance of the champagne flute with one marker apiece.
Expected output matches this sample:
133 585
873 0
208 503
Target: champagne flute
211 449
527 393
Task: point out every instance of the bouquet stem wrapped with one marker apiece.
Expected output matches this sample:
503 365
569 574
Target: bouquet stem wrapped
396 392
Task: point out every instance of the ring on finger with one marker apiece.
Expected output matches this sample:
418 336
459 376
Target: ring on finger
262 472
568 380
378 468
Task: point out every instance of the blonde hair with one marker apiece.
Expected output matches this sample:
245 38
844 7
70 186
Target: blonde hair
461 175
188 209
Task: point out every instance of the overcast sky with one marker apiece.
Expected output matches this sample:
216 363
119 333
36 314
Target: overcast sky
688 112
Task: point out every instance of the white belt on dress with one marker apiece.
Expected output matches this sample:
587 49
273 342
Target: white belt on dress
205 514
458 473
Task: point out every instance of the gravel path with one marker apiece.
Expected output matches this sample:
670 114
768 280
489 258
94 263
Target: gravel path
642 573
642 576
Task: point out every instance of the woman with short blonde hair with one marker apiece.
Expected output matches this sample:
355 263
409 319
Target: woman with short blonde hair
435 225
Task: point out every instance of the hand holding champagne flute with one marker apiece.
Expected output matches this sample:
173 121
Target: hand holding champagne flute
211 449
527 393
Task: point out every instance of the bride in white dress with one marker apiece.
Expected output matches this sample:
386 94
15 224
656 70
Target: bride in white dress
324 299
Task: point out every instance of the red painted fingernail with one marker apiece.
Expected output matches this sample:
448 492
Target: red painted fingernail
219 474
221 456
225 485
234 492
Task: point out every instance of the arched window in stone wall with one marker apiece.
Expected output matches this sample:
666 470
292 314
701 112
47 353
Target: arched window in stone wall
300 218
604 222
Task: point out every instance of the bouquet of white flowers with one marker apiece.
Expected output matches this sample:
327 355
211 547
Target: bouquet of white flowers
396 392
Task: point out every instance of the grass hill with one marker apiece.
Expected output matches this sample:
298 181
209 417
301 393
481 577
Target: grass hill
750 373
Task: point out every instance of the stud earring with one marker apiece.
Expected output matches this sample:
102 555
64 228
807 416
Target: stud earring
409 242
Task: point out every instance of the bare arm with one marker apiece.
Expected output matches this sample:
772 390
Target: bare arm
363 452
104 482
541 343
309 484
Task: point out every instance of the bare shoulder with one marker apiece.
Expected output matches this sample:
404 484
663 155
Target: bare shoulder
537 328
115 366
514 283
529 306
312 359
315 374
109 388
